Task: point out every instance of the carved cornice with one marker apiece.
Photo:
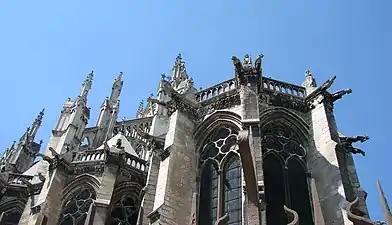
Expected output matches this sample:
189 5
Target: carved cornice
226 101
284 100
180 103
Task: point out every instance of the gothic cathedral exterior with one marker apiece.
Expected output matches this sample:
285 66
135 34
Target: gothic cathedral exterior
248 151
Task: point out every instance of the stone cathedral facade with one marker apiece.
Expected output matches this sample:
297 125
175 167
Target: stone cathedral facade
250 150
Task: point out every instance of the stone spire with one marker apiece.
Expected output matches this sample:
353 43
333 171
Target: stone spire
179 73
116 89
36 124
384 203
109 112
86 87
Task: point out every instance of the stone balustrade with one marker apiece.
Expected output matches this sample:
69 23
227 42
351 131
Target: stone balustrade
283 87
90 155
136 162
215 90
15 179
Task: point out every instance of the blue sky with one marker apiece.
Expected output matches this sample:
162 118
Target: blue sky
48 47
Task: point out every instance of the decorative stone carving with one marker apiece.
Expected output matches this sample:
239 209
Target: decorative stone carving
339 94
287 101
225 102
309 81
348 141
178 102
245 72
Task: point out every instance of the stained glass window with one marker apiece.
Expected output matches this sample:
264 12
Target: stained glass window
285 179
76 208
220 154
124 211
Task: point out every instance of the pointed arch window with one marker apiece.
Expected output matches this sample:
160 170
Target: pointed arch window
124 211
221 178
75 209
285 176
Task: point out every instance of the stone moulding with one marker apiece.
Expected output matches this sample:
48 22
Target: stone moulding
293 214
224 101
284 100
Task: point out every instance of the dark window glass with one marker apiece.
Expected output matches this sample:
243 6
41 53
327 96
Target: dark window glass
232 190
76 208
125 211
221 145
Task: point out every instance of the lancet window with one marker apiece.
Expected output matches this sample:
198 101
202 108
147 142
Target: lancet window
285 176
75 210
220 181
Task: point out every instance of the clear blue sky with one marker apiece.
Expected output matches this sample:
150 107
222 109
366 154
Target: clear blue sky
48 47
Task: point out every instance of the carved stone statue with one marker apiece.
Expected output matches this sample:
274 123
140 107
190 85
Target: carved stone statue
309 80
258 63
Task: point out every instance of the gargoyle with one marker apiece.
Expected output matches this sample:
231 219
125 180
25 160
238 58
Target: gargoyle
348 141
339 94
258 63
41 177
45 157
237 63
354 139
327 84
54 153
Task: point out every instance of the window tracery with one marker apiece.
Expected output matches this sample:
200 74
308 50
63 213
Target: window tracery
285 175
124 211
220 183
75 210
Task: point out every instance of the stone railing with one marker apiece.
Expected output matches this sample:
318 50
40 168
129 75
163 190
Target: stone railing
129 127
136 162
16 179
90 155
283 87
215 90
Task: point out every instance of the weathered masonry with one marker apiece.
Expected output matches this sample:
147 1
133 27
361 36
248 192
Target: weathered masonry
250 150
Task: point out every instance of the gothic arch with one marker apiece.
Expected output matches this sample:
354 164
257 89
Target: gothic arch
12 211
77 203
220 183
284 116
125 204
213 122
284 135
83 179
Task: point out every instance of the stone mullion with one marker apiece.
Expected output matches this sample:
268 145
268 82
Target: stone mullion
219 212
286 186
